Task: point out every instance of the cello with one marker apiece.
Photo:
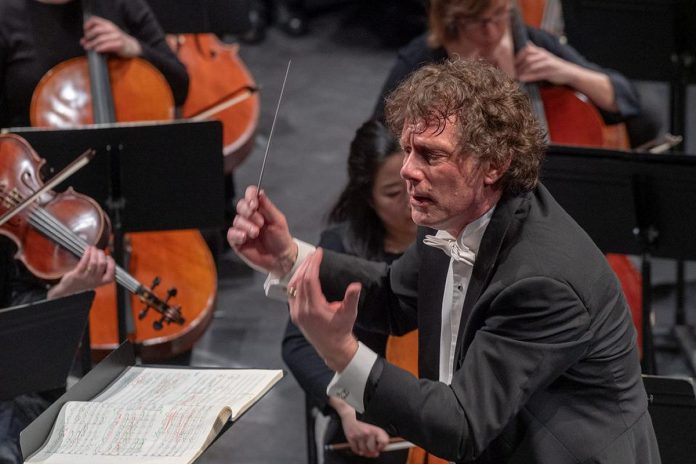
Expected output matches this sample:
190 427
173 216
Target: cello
116 91
572 120
221 88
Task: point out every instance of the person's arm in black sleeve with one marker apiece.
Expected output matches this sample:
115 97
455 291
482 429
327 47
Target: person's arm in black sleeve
143 25
525 344
625 94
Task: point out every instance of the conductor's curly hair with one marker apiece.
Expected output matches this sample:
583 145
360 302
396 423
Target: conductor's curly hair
493 118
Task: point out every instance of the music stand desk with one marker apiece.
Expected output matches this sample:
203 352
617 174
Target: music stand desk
96 381
39 341
630 203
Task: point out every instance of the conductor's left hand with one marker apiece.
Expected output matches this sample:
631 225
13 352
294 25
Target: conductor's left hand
327 326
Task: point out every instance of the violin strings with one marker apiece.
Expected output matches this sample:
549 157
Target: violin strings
53 228
78 244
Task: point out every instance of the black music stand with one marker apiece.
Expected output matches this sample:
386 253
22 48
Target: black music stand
199 16
147 176
652 40
630 203
39 342
672 406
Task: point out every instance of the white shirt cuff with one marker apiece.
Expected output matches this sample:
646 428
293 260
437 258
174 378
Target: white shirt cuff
349 385
276 287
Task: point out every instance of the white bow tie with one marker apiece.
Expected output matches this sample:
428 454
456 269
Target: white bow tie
451 248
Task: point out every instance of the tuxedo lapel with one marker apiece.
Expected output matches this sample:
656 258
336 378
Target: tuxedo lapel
486 259
431 286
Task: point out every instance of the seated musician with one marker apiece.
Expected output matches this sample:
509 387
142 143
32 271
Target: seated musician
36 35
18 286
371 220
484 29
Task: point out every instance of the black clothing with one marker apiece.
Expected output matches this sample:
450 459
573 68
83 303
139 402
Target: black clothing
35 36
417 54
18 286
546 367
310 370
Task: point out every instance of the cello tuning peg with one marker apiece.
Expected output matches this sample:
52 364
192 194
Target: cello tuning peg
157 325
171 293
155 283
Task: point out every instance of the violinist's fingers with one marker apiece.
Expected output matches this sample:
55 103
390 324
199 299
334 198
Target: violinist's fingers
83 265
99 262
109 272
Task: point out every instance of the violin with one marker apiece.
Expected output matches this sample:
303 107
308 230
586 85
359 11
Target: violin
53 233
97 89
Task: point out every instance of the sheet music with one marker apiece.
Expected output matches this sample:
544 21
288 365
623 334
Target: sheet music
142 387
160 415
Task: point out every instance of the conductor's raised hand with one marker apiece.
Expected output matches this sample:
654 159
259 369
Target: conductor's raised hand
327 325
260 234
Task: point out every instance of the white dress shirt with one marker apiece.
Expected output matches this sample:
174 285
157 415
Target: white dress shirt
349 385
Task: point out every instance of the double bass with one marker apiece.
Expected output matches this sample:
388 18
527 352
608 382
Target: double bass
133 90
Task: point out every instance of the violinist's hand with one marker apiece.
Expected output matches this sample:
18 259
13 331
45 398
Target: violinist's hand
94 269
533 64
364 439
327 326
260 234
103 36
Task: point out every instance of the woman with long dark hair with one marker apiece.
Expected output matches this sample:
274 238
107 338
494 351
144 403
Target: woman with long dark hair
371 219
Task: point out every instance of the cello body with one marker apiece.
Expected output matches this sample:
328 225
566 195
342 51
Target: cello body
63 97
179 258
102 90
216 73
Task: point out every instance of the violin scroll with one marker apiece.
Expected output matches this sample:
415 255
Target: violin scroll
168 314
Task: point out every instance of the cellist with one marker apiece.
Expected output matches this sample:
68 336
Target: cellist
483 29
36 35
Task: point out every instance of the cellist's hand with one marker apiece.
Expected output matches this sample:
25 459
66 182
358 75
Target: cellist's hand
103 36
260 234
94 270
534 64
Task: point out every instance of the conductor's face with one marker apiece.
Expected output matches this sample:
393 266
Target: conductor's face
447 189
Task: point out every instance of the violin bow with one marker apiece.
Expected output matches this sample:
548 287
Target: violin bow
270 135
77 164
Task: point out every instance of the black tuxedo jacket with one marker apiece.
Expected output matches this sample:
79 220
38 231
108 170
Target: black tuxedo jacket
546 364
